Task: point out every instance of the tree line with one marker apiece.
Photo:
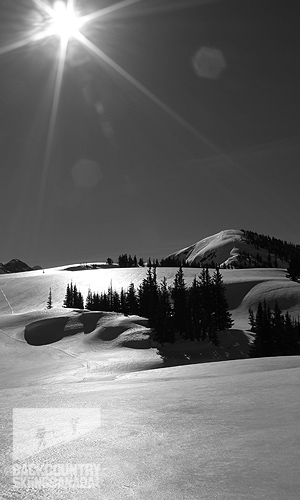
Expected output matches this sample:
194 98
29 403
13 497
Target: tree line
125 260
276 334
197 312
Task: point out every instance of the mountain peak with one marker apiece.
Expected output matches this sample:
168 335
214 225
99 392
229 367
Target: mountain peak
14 266
236 248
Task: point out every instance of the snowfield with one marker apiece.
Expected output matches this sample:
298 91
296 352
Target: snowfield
175 424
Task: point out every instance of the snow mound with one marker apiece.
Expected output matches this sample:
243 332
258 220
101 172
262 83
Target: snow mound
286 294
125 331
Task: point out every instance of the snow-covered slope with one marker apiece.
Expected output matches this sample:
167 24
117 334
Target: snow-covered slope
222 430
226 248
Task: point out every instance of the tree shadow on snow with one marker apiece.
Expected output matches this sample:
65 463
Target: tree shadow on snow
234 344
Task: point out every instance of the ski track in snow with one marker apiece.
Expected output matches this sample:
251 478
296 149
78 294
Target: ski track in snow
7 301
13 338
71 354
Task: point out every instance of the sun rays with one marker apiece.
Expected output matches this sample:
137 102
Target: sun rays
141 88
64 21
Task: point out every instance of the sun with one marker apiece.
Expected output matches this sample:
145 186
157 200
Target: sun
65 22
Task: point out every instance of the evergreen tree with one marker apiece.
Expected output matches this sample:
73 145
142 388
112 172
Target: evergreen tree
291 332
96 302
104 302
293 270
73 297
148 295
195 308
123 260
116 303
255 350
49 301
77 299
268 341
68 297
278 328
263 344
130 261
144 294
207 306
131 300
220 305
251 320
110 294
161 320
180 303
123 302
89 300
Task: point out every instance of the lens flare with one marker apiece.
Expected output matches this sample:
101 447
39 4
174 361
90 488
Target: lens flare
66 23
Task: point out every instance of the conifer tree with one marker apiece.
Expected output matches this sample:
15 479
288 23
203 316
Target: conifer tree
116 303
291 333
74 296
251 319
144 292
263 342
148 295
77 298
96 302
89 300
220 305
49 301
207 305
68 297
110 294
255 350
179 296
278 327
104 302
195 308
131 300
154 296
161 320
293 270
123 302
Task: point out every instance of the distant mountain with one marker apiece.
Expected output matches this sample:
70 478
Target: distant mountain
15 266
236 248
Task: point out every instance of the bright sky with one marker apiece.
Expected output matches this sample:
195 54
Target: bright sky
166 122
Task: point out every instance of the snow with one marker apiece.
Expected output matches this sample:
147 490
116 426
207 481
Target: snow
174 424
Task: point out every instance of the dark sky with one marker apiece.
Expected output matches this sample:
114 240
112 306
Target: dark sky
213 145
